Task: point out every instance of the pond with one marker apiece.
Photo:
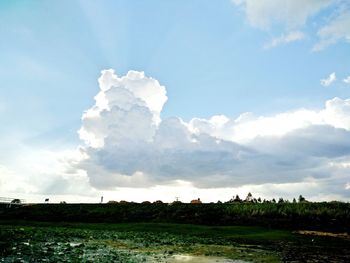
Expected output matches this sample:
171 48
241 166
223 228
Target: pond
201 259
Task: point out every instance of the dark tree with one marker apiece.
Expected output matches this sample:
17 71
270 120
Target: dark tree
16 201
237 199
249 197
301 199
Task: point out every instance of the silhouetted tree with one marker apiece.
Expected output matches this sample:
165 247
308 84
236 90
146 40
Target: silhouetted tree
301 199
249 197
16 201
237 199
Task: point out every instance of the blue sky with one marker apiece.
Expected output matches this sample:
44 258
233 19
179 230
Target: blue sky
213 57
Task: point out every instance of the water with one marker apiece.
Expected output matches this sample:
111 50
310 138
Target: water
201 259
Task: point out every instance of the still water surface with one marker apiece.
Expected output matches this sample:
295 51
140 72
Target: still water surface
201 259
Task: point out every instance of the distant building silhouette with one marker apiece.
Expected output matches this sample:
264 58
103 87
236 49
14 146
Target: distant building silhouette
196 201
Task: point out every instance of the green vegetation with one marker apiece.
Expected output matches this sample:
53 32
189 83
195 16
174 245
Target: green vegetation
143 242
252 231
333 216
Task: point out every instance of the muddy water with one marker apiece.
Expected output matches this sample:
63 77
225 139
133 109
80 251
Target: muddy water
201 259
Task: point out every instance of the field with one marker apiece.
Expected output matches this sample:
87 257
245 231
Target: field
156 242
131 232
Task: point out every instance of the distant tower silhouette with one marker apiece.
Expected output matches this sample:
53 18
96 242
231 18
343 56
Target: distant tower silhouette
101 199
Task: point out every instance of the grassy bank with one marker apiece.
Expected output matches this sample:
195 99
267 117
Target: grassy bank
292 216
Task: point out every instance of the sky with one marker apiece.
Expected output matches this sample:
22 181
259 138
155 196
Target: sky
153 100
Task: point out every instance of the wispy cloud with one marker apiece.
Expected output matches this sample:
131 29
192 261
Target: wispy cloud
347 80
291 13
338 29
328 81
295 14
285 39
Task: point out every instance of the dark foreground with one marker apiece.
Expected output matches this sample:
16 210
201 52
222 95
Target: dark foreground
24 241
329 217
157 232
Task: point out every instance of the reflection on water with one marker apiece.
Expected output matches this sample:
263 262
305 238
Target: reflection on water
201 259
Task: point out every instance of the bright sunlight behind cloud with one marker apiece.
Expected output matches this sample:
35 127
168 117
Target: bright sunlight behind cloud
127 144
236 103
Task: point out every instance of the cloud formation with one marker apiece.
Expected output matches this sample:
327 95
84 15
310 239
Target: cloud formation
285 39
338 29
329 80
293 15
347 80
127 144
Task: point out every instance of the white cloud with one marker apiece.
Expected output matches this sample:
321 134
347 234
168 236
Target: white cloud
9 180
36 174
328 81
291 13
347 80
130 153
133 96
338 29
247 126
285 39
127 144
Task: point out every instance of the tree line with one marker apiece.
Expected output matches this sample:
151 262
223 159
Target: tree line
251 199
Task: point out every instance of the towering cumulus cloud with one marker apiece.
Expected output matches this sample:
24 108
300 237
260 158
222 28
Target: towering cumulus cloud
126 143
